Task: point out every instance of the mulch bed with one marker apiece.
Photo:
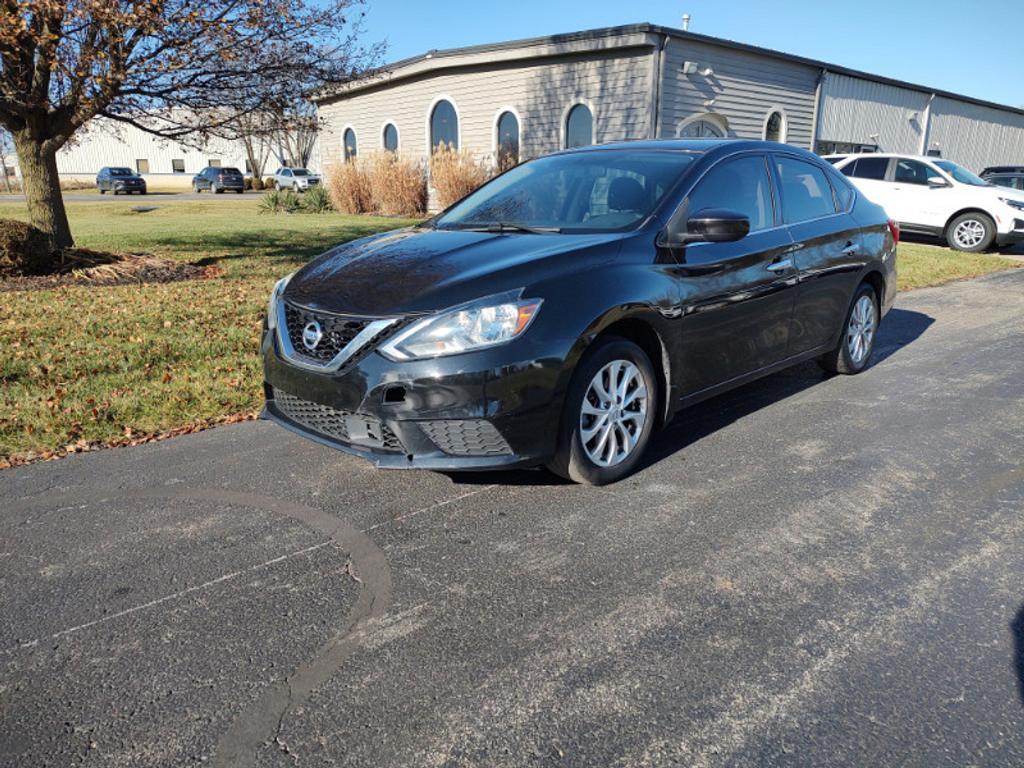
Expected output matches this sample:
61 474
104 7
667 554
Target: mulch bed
83 267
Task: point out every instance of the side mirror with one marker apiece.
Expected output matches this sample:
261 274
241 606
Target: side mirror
936 182
716 225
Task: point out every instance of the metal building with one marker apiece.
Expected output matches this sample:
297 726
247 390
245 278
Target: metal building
535 96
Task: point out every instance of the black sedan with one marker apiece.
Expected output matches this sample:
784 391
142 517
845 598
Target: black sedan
117 180
565 310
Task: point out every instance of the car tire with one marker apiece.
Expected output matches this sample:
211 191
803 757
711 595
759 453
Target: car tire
575 456
857 341
277 186
971 232
239 191
102 190
217 190
295 188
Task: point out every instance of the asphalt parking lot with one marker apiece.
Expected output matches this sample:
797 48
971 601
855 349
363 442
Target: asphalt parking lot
810 571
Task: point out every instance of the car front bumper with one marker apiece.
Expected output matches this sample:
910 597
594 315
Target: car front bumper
1014 236
495 408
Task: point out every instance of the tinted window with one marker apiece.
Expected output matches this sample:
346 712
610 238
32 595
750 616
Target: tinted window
806 194
595 191
868 168
913 172
350 144
286 172
231 172
390 138
444 126
579 127
121 172
739 185
508 140
843 190
178 166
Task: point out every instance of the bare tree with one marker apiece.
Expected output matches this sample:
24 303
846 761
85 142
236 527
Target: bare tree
158 64
6 150
256 132
296 132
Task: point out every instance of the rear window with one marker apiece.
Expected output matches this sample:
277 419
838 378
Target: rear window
232 172
867 168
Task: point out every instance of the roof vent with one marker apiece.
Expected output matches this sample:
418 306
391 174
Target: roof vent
686 22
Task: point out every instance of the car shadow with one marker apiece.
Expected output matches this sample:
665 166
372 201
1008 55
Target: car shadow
1017 628
900 328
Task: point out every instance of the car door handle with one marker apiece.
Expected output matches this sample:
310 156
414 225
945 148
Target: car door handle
781 265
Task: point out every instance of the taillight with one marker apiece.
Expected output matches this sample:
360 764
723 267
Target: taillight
895 229
221 176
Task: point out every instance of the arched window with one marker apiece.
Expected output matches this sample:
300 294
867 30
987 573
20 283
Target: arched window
579 127
444 125
701 127
775 127
508 140
349 141
390 137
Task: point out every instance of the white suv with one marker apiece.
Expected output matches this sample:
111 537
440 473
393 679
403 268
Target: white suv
298 179
931 196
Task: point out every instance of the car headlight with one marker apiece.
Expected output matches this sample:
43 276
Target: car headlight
1018 204
275 295
480 324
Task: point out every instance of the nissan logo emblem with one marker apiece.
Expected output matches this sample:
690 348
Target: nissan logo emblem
311 335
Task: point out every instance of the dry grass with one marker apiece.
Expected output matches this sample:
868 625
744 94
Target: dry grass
348 185
455 173
398 186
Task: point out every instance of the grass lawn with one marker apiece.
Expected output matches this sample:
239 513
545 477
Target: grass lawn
87 366
82 367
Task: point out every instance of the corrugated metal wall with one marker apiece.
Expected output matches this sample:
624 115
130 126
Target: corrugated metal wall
745 87
976 136
865 112
617 86
104 143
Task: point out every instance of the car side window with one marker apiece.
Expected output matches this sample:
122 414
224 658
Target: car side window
741 185
806 193
868 168
843 190
914 172
286 172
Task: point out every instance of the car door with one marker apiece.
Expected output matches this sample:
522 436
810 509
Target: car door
736 298
915 201
827 249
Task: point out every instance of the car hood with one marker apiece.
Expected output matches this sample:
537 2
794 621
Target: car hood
417 270
1007 192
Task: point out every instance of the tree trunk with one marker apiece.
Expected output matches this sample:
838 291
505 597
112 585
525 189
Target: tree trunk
42 189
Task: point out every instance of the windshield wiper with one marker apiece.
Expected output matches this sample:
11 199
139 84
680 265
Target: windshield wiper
499 227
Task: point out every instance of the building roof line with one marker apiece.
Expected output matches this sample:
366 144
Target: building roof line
439 55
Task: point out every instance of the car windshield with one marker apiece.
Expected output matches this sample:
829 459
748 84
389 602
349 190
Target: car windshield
121 172
961 174
590 191
300 172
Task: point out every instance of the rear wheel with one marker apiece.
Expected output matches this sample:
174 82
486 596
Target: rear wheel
609 414
971 232
853 352
217 189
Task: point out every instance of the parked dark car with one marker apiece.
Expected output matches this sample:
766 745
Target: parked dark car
218 180
565 310
117 180
1011 176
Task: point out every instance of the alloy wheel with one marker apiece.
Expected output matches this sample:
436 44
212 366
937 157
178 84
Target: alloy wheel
860 334
969 233
614 413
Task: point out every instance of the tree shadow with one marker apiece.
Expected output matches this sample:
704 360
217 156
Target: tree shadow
901 328
1017 628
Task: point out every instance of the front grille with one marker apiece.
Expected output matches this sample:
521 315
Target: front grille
337 330
466 437
337 424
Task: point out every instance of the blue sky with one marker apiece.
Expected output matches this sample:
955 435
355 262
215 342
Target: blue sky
967 46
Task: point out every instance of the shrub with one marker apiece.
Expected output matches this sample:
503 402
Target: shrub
24 249
268 182
280 202
69 185
398 186
455 173
317 200
348 185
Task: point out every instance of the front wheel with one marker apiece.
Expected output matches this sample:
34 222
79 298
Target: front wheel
857 341
971 232
609 414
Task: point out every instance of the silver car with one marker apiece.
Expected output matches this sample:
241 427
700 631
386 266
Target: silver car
297 179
